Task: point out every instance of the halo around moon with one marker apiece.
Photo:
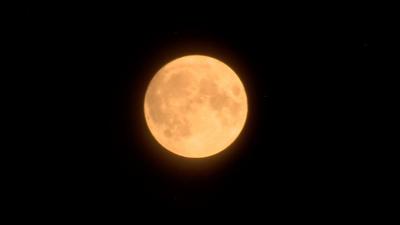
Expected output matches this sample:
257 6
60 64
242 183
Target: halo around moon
195 106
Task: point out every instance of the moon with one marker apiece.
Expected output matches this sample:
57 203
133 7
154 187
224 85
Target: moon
195 106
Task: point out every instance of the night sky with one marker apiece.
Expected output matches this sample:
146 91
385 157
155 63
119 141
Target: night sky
309 75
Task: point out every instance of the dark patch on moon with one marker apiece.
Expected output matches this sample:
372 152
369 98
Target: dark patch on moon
236 90
235 108
207 87
177 86
219 100
167 133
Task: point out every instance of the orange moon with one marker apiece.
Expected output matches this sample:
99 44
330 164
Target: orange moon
195 106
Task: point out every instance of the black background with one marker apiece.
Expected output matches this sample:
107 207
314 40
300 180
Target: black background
309 72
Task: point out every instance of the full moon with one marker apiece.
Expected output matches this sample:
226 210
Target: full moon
195 106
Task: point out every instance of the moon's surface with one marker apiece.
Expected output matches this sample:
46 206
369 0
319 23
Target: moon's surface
195 106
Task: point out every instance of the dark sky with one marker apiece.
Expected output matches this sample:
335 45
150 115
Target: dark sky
310 73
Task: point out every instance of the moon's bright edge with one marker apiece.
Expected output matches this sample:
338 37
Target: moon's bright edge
195 106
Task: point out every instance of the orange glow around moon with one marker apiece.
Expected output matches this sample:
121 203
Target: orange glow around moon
195 106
